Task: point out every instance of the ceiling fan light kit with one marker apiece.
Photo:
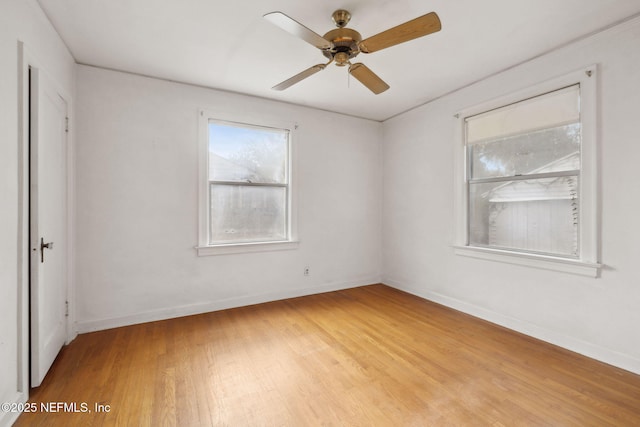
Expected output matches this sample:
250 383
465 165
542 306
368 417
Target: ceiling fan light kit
342 44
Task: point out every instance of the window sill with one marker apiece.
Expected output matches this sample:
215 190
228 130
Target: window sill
545 262
239 248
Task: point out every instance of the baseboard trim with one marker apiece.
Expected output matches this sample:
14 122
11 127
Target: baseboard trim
584 348
189 310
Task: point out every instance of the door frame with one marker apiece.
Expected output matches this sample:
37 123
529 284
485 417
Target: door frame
27 60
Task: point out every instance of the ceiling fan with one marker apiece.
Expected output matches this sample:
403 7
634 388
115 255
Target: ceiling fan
343 44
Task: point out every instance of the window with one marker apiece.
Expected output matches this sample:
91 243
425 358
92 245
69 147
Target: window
246 194
524 172
529 176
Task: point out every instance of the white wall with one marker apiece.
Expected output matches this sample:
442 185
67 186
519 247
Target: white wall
597 317
137 184
137 204
20 20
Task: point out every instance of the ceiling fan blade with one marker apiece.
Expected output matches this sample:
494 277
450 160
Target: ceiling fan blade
292 26
368 78
298 77
422 26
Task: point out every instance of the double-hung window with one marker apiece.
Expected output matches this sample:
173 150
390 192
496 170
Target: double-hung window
529 176
523 174
246 194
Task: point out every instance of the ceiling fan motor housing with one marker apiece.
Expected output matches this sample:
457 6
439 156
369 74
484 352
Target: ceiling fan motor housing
345 42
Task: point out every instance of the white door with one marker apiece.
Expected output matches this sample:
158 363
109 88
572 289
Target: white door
48 229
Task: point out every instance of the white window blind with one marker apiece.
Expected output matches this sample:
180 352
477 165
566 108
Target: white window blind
550 110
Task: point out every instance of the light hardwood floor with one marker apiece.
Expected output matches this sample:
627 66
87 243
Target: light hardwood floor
370 356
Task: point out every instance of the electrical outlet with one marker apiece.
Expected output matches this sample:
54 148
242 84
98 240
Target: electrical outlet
306 271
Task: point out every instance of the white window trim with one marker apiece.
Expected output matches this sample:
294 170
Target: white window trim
204 248
588 228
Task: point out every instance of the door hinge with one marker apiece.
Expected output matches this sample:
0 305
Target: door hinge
66 308
66 124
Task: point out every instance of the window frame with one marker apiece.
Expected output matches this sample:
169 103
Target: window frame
588 227
204 247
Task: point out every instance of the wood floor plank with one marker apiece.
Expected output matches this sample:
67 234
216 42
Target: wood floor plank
369 356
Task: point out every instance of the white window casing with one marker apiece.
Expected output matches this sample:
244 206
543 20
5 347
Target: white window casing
207 245
471 126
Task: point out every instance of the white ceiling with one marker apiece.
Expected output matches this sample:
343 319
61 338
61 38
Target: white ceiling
228 45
